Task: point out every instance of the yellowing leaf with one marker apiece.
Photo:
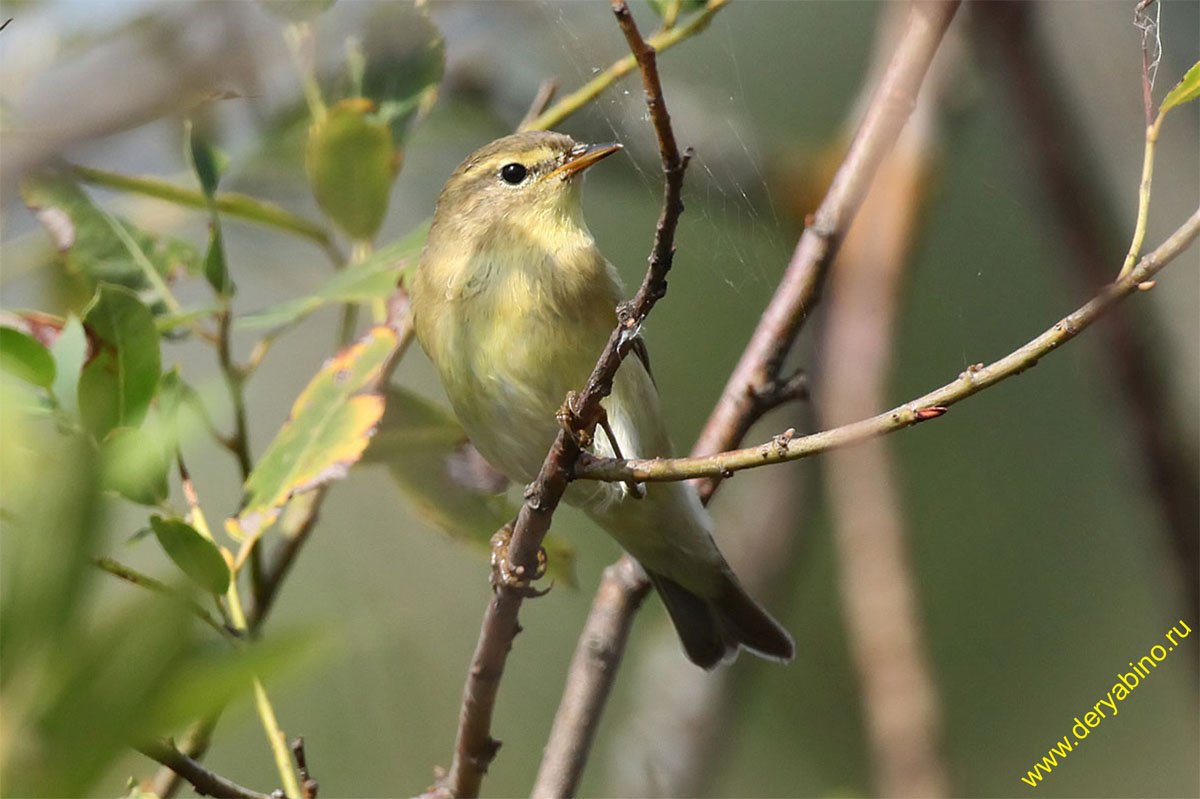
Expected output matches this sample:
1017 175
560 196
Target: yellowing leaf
329 427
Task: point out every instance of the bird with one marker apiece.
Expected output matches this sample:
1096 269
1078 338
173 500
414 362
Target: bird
513 302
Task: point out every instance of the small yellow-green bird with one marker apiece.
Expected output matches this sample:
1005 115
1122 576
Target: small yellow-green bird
513 303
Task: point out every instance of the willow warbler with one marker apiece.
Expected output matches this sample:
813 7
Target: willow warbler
513 303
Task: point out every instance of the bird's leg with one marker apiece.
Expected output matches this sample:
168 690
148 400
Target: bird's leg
503 575
570 422
635 489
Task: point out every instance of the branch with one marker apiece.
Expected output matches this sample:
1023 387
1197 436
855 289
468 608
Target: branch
242 206
474 746
755 387
929 406
800 289
206 783
1085 225
661 41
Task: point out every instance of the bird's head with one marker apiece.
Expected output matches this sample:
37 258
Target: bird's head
526 180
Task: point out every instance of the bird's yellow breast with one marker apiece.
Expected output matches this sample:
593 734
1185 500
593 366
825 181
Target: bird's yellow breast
512 327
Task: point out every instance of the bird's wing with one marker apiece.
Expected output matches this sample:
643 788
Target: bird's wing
638 348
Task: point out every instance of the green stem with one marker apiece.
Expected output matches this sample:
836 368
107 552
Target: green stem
298 35
661 41
139 257
266 712
147 582
1139 228
234 204
359 252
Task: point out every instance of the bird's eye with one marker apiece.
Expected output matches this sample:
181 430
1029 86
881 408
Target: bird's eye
513 173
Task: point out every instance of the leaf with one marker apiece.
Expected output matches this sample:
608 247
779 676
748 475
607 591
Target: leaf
87 243
207 161
196 555
351 163
405 61
117 384
372 279
70 351
446 480
24 357
135 466
1185 91
329 427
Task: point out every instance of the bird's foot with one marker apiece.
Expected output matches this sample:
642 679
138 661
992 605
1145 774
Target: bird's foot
513 577
571 423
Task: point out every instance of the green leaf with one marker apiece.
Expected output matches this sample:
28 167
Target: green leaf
70 350
329 427
445 480
196 555
117 384
87 243
371 280
215 270
351 163
405 62
205 160
135 466
24 356
1185 91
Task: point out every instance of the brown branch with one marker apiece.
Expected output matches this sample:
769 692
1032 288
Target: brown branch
474 746
590 678
800 289
541 99
206 783
900 706
929 406
756 385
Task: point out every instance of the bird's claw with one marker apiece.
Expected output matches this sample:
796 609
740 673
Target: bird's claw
513 577
571 423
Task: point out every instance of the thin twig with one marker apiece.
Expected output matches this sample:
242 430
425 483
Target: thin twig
206 783
800 288
661 41
785 447
1086 230
131 575
474 746
307 783
239 442
233 204
756 385
601 648
901 711
541 99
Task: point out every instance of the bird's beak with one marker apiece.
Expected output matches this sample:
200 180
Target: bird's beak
583 156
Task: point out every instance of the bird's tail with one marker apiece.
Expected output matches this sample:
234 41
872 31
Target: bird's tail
712 630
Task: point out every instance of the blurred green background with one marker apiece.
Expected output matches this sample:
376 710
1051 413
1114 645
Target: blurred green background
1041 560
